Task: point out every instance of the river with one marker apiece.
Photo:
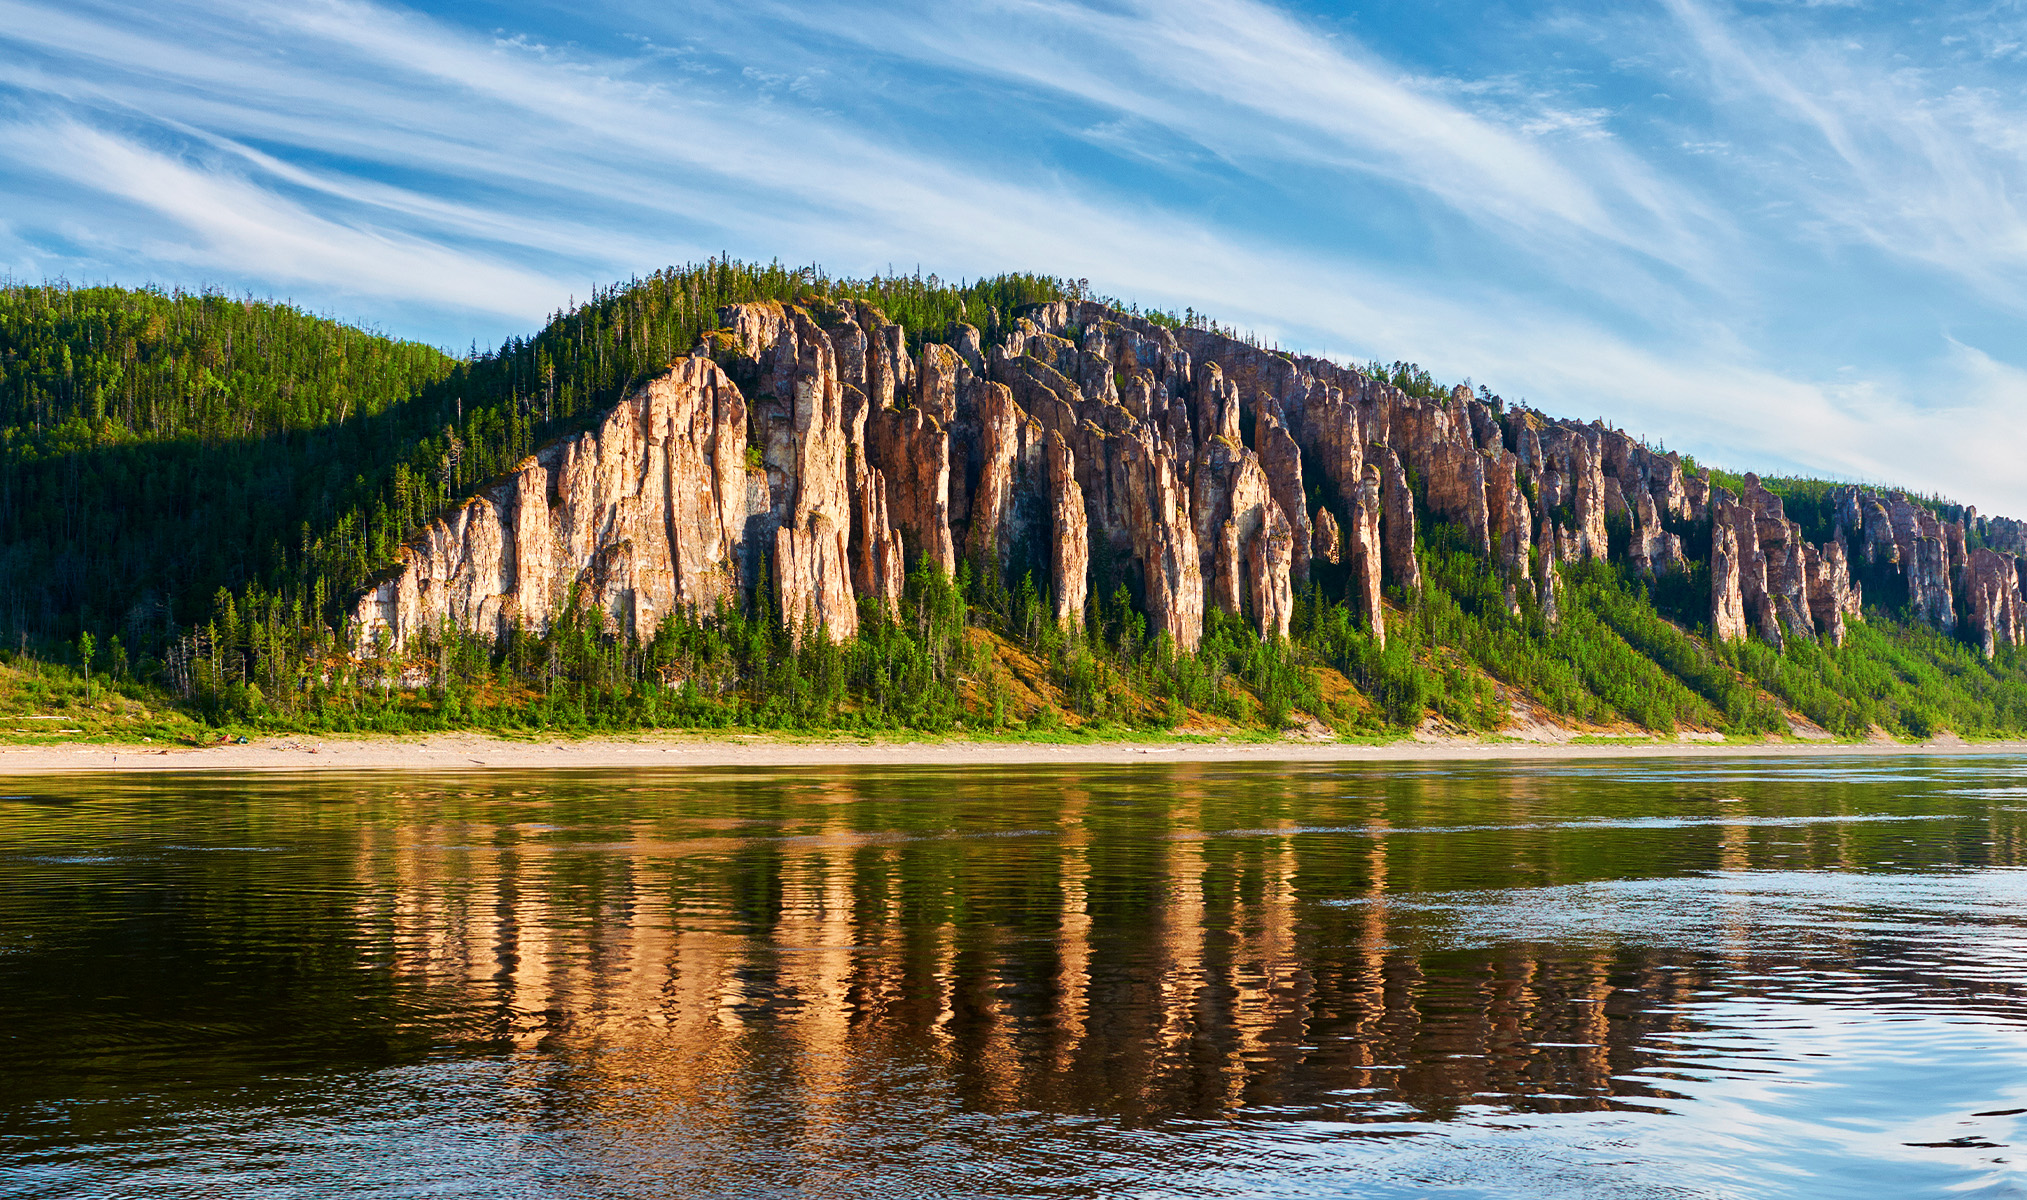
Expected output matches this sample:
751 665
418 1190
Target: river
1635 978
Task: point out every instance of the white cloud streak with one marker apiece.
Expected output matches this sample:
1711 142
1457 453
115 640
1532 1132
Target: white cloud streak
217 221
363 151
1908 159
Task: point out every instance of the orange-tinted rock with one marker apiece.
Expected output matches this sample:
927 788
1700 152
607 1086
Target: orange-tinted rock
879 558
1335 432
1269 562
1164 543
1398 526
811 450
664 472
936 383
1455 486
1004 433
1327 542
965 340
889 369
1084 435
912 450
1508 513
1231 507
1365 552
1281 459
1069 543
1228 488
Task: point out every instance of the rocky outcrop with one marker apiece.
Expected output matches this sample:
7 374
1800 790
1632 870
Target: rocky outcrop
643 516
1234 505
1893 529
1456 490
1281 459
807 448
879 560
818 453
1069 538
914 445
1547 579
1832 594
1327 542
1992 592
2005 535
1365 552
1750 564
1572 485
1003 435
1696 494
1398 527
1269 562
1786 595
1509 516
1727 594
1164 543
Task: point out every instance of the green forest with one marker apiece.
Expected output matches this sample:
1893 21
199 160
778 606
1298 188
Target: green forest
195 485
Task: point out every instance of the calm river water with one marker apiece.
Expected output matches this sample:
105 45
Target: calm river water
1683 979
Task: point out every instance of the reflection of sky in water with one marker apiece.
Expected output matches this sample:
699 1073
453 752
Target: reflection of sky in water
1573 982
1974 913
1771 1099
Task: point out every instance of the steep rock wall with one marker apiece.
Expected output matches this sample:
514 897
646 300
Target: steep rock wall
643 515
830 450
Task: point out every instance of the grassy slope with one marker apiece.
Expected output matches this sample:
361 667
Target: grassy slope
143 430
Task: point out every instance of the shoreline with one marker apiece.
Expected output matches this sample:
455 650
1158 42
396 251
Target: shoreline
457 752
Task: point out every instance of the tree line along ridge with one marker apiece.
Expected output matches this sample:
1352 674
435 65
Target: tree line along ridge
730 494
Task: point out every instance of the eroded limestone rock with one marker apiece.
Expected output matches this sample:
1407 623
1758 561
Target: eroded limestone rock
1076 433
1992 589
1269 561
1398 526
1365 552
1327 543
1070 541
664 473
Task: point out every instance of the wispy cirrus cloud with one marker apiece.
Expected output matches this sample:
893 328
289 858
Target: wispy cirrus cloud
1917 158
212 219
1542 231
1252 85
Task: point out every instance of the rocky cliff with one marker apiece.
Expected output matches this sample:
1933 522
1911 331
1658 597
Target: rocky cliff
816 455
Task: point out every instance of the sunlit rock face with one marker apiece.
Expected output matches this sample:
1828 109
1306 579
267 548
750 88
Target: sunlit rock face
1992 588
830 450
642 515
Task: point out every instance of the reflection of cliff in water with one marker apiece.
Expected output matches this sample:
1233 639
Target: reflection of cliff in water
1112 958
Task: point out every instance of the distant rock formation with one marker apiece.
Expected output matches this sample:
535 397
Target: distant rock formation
825 457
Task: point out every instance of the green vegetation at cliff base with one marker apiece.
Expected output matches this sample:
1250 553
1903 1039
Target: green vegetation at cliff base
193 487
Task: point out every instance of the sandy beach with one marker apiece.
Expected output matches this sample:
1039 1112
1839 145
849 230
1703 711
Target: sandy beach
474 752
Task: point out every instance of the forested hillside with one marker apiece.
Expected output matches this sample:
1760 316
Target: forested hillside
196 489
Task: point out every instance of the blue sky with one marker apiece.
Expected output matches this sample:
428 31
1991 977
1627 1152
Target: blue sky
1780 236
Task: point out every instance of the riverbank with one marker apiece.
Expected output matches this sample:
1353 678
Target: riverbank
474 752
